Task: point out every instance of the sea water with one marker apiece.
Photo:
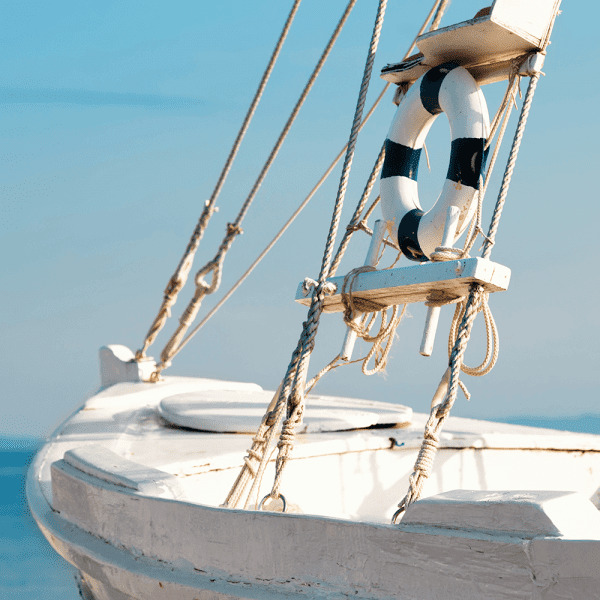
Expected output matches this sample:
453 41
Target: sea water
30 569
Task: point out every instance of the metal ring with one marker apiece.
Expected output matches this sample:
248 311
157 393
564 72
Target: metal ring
397 514
281 496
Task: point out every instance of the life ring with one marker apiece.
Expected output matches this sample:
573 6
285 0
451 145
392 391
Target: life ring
446 88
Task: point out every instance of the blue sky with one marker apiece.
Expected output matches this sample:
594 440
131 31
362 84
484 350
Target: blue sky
116 118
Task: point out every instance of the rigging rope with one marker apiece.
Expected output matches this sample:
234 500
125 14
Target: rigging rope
475 302
356 222
440 412
360 223
274 414
280 233
214 267
299 366
179 278
510 166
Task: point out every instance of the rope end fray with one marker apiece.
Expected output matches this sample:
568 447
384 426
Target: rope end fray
233 229
532 65
309 286
211 209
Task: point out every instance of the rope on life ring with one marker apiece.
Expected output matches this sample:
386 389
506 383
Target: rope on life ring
446 88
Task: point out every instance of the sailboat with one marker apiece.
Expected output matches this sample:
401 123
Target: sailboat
188 487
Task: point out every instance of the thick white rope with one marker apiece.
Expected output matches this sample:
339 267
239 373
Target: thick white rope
179 278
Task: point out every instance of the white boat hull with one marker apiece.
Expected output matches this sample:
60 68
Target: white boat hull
132 533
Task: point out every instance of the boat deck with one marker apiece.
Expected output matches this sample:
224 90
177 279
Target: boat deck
370 465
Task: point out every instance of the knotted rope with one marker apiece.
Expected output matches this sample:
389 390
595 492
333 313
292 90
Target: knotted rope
273 416
233 229
295 400
440 412
353 305
179 278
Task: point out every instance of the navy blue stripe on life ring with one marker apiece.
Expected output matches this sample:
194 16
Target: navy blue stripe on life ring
407 235
400 161
467 160
431 84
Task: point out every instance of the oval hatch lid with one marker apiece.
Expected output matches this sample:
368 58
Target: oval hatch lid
226 411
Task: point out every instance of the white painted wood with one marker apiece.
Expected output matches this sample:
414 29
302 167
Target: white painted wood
526 514
362 480
414 283
129 544
431 322
433 312
307 556
379 230
117 364
442 389
242 412
529 19
485 45
102 463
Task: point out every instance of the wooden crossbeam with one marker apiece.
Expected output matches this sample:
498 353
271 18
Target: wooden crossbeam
407 285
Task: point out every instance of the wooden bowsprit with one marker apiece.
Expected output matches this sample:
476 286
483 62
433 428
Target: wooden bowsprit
407 285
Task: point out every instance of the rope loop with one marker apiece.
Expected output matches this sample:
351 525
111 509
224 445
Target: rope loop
442 297
326 288
492 337
445 253
213 267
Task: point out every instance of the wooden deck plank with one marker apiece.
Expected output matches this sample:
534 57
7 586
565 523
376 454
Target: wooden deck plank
408 285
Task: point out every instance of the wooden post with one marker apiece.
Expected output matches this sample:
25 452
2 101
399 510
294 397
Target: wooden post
442 389
371 260
433 312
